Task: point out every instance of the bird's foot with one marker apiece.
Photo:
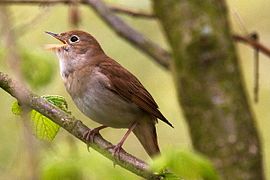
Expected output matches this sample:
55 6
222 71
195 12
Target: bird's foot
118 147
116 152
89 135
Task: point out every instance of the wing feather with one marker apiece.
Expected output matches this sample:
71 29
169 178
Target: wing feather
128 87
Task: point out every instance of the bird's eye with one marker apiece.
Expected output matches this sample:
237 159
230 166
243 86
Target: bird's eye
74 39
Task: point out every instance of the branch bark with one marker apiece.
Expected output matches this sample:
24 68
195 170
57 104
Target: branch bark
210 85
166 58
114 8
73 126
128 33
254 44
157 53
131 12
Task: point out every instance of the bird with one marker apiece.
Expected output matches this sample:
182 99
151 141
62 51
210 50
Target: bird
105 91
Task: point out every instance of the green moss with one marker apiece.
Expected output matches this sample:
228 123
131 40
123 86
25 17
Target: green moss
209 83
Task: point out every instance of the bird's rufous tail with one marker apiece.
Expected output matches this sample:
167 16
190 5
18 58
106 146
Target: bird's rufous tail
145 131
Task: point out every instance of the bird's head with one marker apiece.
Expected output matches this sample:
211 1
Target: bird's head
77 48
75 41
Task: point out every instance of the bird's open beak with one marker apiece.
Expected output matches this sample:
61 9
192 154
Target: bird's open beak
55 46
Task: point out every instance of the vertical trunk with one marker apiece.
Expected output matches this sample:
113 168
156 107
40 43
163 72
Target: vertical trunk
210 85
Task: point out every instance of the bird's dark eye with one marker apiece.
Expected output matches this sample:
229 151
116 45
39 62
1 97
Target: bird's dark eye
74 38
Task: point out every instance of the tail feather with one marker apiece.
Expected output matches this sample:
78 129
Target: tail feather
145 131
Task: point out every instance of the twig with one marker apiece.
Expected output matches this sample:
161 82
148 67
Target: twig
258 47
35 2
253 43
131 35
24 28
131 12
125 31
9 39
115 8
73 126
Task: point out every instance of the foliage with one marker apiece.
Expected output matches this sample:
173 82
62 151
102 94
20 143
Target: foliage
66 169
43 127
180 164
37 70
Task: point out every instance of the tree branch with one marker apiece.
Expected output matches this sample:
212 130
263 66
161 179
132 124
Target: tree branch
114 8
253 43
73 126
131 35
131 12
122 29
125 31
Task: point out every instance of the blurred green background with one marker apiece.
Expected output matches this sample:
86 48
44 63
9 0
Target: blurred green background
21 154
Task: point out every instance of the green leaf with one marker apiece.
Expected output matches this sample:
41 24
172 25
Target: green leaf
179 164
58 101
16 109
43 127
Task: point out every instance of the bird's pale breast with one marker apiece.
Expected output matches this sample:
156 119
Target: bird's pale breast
99 103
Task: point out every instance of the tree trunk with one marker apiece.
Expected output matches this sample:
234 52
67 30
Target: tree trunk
210 85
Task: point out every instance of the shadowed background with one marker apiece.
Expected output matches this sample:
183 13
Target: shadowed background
65 155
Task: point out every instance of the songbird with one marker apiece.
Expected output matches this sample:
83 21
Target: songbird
105 91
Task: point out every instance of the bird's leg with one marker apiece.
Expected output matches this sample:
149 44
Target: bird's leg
90 134
118 147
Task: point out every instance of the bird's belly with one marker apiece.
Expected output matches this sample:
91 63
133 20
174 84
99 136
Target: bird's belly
107 108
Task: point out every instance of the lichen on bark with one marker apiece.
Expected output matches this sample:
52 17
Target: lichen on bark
210 85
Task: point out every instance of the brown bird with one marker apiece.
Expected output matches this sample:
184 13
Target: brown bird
105 91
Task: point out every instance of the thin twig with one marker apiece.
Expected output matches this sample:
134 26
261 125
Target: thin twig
164 60
115 8
125 31
73 126
131 12
35 21
131 35
255 44
35 2
14 60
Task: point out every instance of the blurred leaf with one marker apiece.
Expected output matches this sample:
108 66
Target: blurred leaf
43 127
68 169
175 164
16 109
37 70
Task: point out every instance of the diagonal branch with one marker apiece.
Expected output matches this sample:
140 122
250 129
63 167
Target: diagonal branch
114 8
255 44
157 53
73 126
160 55
131 12
128 33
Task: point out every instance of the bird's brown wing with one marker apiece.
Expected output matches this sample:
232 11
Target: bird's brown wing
129 88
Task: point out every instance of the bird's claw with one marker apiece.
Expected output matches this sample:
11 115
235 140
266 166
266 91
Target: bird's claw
89 136
116 151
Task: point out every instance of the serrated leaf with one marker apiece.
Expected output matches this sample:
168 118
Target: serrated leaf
43 127
58 101
16 109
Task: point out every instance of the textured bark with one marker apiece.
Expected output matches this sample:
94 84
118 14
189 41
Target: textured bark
75 127
210 85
